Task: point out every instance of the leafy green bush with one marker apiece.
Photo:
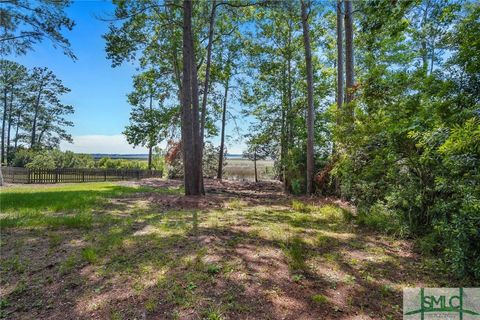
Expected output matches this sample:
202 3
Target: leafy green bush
381 218
43 160
109 163
50 159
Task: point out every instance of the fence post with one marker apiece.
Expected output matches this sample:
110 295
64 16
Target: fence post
83 175
105 175
56 175
138 174
28 175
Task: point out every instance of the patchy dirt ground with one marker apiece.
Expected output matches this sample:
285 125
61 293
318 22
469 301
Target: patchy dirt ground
244 251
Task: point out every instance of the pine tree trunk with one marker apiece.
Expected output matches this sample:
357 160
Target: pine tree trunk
340 90
4 119
222 137
207 69
35 116
187 126
150 158
310 111
288 182
9 126
255 165
197 139
16 130
349 63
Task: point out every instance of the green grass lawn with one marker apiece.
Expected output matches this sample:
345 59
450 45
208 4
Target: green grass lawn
68 205
107 251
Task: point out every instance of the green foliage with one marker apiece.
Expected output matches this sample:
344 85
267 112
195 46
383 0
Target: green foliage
51 159
381 218
410 159
22 29
109 163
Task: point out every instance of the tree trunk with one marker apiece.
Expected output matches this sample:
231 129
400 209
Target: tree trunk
4 119
340 90
310 113
150 142
150 158
35 116
349 63
222 137
187 132
283 140
192 158
207 69
205 89
197 139
9 126
287 179
16 129
255 165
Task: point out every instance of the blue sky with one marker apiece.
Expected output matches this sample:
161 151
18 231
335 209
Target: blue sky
98 90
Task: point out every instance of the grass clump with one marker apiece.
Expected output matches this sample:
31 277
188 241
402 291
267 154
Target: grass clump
67 265
89 254
319 299
151 305
236 204
213 269
296 252
212 313
300 206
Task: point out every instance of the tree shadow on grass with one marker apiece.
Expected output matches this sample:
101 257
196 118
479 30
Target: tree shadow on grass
155 262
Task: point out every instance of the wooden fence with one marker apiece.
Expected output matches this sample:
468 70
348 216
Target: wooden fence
66 175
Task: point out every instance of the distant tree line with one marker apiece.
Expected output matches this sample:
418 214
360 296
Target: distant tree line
54 158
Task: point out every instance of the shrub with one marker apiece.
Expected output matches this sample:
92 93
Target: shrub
381 218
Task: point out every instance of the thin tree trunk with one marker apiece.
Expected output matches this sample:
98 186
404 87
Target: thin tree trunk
289 116
187 126
424 50
150 143
34 123
255 165
150 158
349 63
9 126
205 89
207 69
310 113
4 119
16 129
222 137
283 139
340 90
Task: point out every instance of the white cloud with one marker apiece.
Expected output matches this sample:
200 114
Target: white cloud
101 144
118 144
